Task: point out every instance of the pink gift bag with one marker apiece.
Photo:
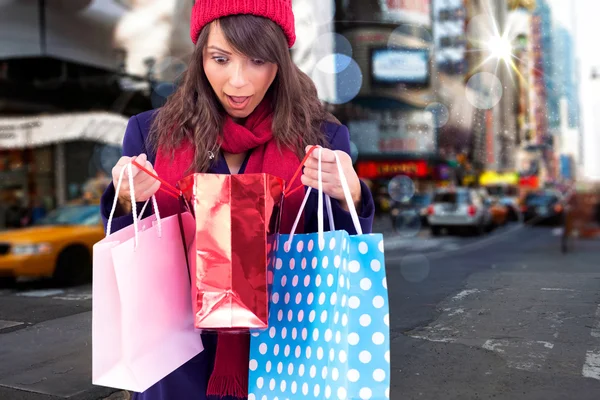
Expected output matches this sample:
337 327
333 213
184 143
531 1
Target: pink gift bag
142 318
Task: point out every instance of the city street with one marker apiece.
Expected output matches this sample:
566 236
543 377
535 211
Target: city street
505 316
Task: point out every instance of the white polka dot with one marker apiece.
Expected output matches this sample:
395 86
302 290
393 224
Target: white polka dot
381 246
287 246
365 393
333 298
344 300
272 332
345 265
386 319
320 353
283 280
317 390
299 298
298 352
387 393
310 298
290 369
278 263
379 375
327 391
342 393
306 280
301 370
322 298
276 349
324 373
322 243
384 283
354 266
315 334
330 280
262 348
286 298
343 357
353 375
354 302
365 284
268 366
387 356
365 320
294 387
363 248
338 337
280 368
260 382
378 338
284 332
335 374
328 335
295 281
313 371
324 316
331 355
308 352
275 297
286 351
251 396
272 384
253 365
342 280
353 338
325 262
290 315
304 333
337 261
336 317
375 265
314 263
294 333
303 263
311 244
344 244
378 302
311 316
364 357
282 386
300 246
292 264
318 281
300 315
344 320
305 389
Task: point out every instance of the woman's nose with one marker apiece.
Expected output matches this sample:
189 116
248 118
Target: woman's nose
238 76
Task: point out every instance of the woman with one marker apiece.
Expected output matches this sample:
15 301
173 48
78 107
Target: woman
243 107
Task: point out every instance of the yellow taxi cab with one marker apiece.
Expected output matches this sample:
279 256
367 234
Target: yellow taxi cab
58 246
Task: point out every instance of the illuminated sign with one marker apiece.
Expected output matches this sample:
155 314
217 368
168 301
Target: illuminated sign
493 178
381 169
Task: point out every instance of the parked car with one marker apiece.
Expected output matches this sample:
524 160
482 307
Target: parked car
543 207
459 209
58 246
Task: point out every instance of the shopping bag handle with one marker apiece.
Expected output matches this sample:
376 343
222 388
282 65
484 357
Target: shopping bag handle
168 188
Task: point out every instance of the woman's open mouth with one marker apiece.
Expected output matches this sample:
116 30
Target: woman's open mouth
238 102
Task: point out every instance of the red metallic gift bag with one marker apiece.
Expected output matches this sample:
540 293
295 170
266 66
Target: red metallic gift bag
237 218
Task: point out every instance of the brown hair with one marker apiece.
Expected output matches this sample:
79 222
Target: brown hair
195 113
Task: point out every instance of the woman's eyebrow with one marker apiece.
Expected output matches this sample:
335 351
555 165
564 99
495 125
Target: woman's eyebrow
219 49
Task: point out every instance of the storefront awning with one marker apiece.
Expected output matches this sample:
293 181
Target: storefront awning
24 132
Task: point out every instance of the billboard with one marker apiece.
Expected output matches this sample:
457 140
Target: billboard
400 66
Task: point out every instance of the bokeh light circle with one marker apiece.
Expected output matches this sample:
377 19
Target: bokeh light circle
484 90
408 223
401 188
415 268
161 92
440 112
353 152
347 81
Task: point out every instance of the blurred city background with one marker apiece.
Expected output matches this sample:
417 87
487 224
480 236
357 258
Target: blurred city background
472 121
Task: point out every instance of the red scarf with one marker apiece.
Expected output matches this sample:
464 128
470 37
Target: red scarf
230 374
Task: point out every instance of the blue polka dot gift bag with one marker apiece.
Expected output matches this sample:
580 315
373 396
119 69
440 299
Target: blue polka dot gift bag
328 335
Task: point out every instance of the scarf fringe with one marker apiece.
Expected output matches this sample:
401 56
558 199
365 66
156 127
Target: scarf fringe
223 385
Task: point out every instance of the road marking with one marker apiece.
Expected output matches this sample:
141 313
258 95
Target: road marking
591 368
596 329
9 324
74 297
557 289
464 294
41 293
527 355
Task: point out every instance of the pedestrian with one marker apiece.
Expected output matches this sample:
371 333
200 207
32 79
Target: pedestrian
242 107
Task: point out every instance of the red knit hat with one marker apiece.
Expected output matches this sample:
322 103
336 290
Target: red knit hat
278 11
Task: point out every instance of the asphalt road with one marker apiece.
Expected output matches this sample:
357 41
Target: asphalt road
505 316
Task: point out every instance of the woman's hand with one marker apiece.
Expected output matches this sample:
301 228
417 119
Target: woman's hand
332 184
145 186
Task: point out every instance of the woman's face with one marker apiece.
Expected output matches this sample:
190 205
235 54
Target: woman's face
239 82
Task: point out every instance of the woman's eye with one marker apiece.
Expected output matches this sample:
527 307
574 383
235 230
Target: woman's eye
220 60
258 62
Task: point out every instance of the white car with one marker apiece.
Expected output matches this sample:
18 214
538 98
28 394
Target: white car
460 208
